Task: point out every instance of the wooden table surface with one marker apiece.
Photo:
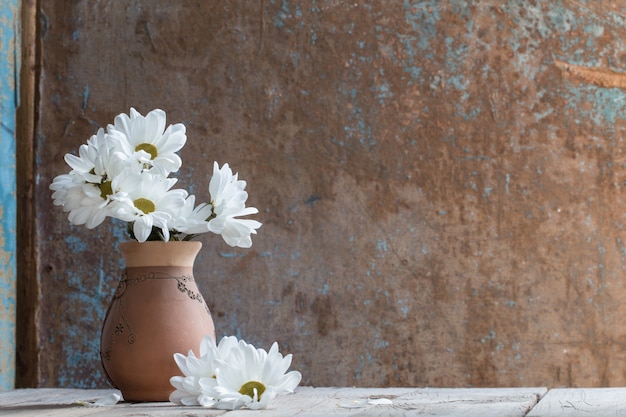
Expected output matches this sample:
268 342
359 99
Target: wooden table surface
308 401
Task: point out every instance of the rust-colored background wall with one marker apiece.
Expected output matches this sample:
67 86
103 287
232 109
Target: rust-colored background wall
440 182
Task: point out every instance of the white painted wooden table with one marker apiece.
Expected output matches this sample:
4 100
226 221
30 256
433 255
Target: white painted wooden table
307 401
575 402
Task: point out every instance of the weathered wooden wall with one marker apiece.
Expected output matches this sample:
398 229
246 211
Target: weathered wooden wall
440 182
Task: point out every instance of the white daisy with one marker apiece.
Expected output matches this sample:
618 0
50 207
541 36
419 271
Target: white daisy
61 185
87 206
188 389
86 191
83 201
235 232
146 140
252 377
193 220
98 160
146 201
228 199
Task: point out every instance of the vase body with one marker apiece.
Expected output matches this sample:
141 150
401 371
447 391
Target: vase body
156 311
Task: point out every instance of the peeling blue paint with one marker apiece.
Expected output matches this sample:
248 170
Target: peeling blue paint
286 13
358 370
9 56
608 103
85 96
404 307
423 16
88 354
76 244
380 344
231 254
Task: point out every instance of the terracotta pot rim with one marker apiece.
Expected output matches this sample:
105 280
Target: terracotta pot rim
159 253
160 242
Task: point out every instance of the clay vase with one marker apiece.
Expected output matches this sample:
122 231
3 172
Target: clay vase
156 311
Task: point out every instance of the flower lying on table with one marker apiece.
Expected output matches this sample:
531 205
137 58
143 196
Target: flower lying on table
123 172
231 375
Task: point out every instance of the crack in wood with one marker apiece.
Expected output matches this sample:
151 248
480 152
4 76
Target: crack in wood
600 77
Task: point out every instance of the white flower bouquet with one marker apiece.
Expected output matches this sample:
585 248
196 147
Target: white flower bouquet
123 172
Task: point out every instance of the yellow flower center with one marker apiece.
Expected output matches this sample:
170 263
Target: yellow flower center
149 148
249 387
145 205
106 189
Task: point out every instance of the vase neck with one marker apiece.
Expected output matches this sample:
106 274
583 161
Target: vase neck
144 254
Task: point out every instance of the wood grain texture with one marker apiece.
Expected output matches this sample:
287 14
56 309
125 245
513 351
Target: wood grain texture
306 401
28 284
601 77
578 402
